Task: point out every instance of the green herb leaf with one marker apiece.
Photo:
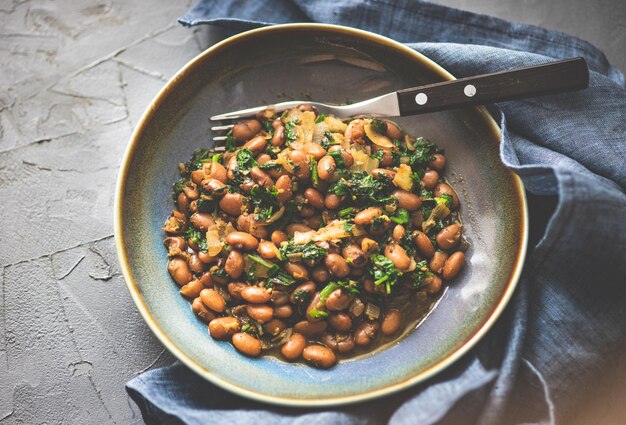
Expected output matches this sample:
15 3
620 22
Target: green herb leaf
265 202
401 216
379 126
308 252
320 118
384 271
313 169
231 143
290 132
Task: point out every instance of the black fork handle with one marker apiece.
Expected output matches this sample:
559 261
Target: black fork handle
550 78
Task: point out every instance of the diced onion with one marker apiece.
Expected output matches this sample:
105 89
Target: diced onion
377 139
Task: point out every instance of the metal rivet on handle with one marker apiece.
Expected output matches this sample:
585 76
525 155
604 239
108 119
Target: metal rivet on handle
469 90
421 98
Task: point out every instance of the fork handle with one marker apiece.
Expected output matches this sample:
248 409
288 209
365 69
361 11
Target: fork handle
555 77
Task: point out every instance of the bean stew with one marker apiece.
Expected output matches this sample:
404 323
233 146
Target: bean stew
312 238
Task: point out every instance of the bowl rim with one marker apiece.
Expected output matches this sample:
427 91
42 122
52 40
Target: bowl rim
133 288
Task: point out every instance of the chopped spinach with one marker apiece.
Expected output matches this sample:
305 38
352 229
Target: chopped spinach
401 216
379 126
265 202
290 132
328 140
199 157
268 127
231 143
197 237
245 161
320 118
363 189
383 271
308 252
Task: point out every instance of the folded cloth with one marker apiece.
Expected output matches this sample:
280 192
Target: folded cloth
566 325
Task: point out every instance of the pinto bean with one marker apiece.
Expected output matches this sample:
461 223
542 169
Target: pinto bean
175 223
192 289
255 295
437 262
202 221
263 158
308 287
245 129
407 200
279 136
367 216
315 198
234 264
355 132
391 322
369 246
247 223
376 172
179 270
247 344
182 202
310 329
278 237
453 265
338 300
195 265
191 190
398 233
261 313
242 240
206 280
393 131
256 144
337 265
314 305
297 270
201 311
232 203
345 344
261 178
197 176
430 179
306 211
347 157
284 186
267 249
319 356
340 322
301 164
416 219
326 167
297 227
354 255
221 327
387 158
449 236
424 245
320 274
365 333
442 188
275 327
432 284
214 187
314 150
283 311
293 347
279 298
213 300
332 201
438 162
236 288
215 170
215 277
174 245
398 256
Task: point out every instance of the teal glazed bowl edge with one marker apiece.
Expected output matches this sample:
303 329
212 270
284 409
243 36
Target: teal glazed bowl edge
331 64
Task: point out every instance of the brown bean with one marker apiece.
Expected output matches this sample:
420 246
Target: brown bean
261 178
365 333
176 223
320 274
453 265
245 129
438 162
297 227
337 265
298 271
202 221
201 311
247 223
393 131
255 295
263 158
407 200
213 300
182 202
217 278
275 327
256 144
234 264
398 256
283 311
279 298
221 327
315 198
215 170
278 237
261 313
293 347
326 167
398 233
179 270
301 164
279 136
442 188
314 305
284 186
197 176
332 201
175 245
214 187
307 212
236 288
195 265
376 172
329 340
242 240
308 287
314 150
430 179
310 329
340 322
449 236
247 344
391 322
355 132
367 216
432 284
338 300
354 255
424 245
387 158
416 219
267 249
345 344
231 165
368 246
206 280
192 289
232 203
347 157
437 262
319 356
191 190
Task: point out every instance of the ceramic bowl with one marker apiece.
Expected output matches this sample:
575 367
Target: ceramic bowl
330 64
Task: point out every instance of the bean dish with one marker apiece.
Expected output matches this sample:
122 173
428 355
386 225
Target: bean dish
314 238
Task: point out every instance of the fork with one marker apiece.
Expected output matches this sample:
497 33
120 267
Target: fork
539 80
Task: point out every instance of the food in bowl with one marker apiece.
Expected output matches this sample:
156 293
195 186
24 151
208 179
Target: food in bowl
312 237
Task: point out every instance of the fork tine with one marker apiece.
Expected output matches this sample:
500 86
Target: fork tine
222 127
219 138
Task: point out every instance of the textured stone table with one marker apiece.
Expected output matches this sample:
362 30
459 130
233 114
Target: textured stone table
75 78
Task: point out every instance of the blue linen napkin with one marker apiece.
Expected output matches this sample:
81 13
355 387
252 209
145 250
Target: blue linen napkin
566 324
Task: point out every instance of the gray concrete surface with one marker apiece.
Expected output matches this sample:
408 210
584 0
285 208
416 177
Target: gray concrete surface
74 78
